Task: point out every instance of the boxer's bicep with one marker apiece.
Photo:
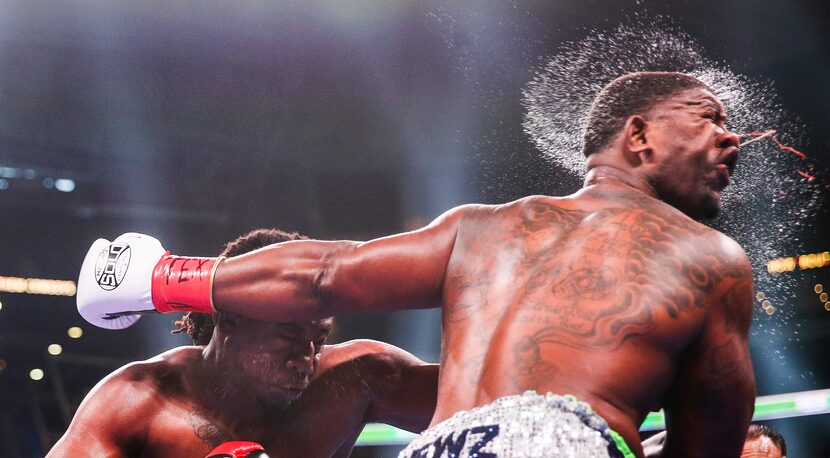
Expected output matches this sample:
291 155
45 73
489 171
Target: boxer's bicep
402 271
711 403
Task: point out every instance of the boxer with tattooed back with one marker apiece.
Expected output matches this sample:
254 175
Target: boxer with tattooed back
565 319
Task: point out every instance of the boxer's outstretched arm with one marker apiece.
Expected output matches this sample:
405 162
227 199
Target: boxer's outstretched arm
305 280
711 403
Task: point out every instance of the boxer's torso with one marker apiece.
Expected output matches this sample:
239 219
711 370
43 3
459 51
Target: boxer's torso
593 295
324 422
151 409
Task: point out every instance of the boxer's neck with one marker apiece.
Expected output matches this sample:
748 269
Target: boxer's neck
608 174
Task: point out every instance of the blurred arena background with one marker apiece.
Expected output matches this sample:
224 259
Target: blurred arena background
196 122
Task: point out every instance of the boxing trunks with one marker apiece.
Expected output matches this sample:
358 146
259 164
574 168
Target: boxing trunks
521 426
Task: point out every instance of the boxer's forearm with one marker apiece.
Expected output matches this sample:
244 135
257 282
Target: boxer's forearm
280 282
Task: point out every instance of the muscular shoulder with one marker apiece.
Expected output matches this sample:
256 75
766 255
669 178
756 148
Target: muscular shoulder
527 203
729 250
723 255
380 366
467 212
163 372
378 355
719 277
734 272
117 409
530 208
695 241
144 383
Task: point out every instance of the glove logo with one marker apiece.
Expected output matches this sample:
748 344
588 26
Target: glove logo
112 265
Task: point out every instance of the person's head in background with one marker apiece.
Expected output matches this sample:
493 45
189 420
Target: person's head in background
761 442
764 442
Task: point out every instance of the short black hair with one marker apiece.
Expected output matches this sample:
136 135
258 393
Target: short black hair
200 325
755 431
630 94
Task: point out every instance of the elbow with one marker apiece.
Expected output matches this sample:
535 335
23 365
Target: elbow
327 286
322 287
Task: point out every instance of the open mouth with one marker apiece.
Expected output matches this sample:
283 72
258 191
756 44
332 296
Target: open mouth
723 175
726 166
730 160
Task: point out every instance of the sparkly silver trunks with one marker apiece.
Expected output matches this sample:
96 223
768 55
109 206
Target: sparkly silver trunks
519 426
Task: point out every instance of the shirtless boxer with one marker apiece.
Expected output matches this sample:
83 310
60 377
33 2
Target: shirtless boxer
614 295
275 384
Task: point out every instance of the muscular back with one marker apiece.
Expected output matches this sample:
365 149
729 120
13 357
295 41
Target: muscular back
602 295
608 294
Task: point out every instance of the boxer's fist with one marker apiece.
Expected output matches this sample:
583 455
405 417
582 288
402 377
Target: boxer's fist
115 282
238 450
133 274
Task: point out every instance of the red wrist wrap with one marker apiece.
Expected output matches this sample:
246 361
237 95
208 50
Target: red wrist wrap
236 449
183 284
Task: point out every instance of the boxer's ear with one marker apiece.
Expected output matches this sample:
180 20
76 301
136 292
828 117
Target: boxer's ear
635 138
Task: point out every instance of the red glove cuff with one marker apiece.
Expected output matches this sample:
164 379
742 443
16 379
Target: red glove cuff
236 449
184 284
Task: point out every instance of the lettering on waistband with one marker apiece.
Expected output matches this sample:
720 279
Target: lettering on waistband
453 445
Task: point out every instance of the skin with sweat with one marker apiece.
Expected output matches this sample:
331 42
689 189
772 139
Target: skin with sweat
614 294
272 383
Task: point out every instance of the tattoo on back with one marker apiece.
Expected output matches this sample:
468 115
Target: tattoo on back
588 280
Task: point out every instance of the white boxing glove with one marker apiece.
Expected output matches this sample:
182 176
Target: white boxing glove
114 285
133 275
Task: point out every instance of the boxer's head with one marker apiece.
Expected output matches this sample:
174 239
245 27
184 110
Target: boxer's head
764 442
270 360
631 94
200 325
669 129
